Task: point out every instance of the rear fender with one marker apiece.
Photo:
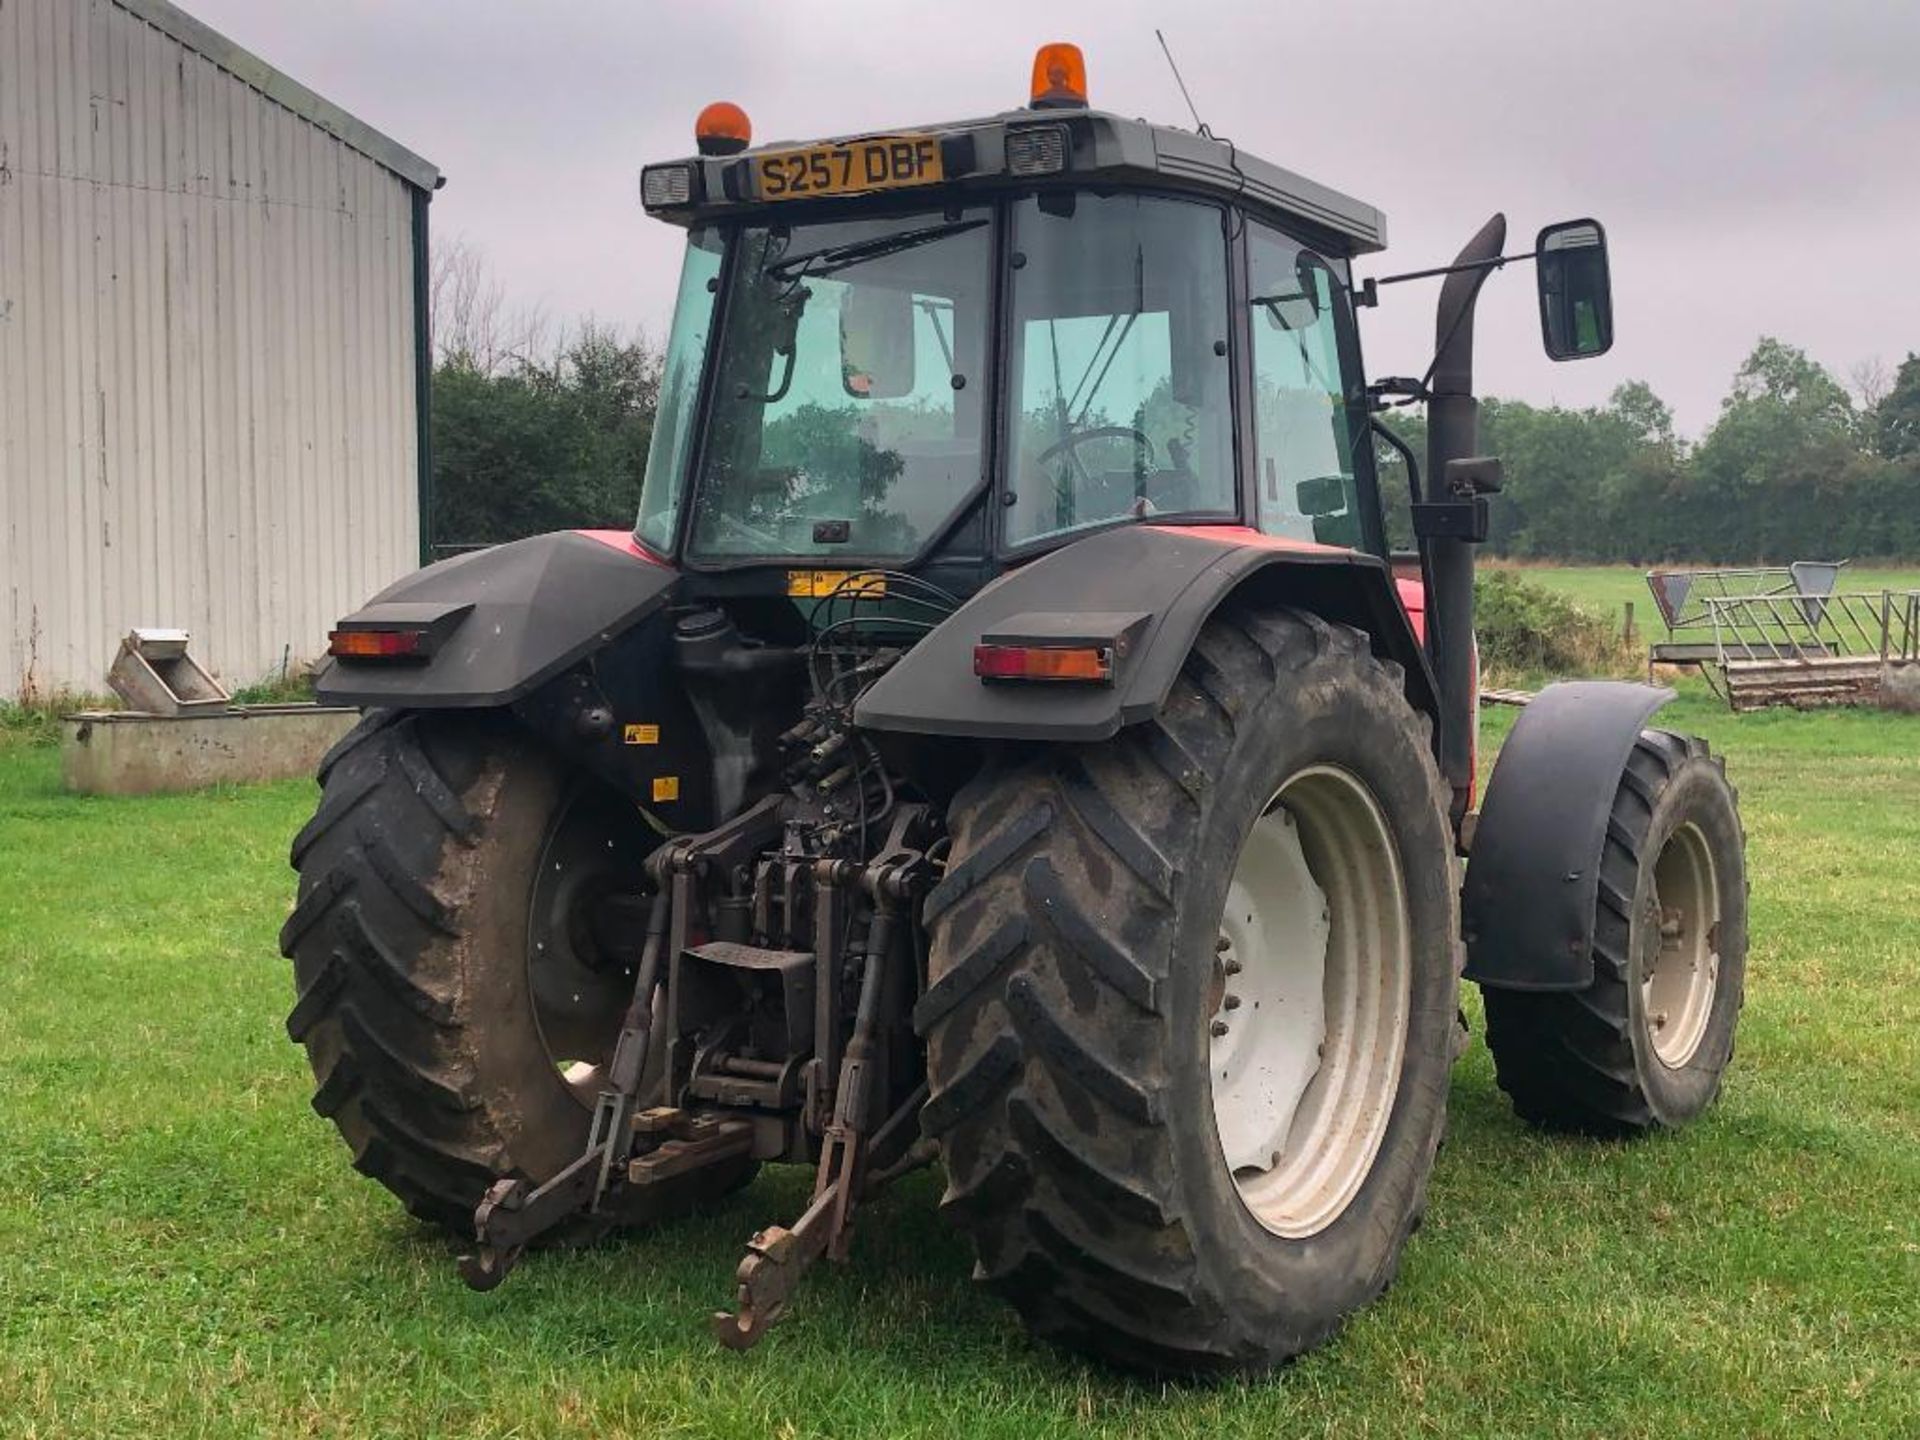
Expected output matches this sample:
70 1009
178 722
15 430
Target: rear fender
1175 577
1533 872
538 606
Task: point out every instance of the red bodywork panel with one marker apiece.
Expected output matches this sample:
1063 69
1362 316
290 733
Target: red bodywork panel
623 541
1413 594
1247 535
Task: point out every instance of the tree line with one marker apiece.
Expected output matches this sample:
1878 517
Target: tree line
1795 467
536 429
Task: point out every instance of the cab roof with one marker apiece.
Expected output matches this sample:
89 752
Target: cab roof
1100 147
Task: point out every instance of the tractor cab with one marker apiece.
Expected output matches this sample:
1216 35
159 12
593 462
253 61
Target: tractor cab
951 347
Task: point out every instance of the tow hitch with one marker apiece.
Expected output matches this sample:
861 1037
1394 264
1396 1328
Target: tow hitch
746 1106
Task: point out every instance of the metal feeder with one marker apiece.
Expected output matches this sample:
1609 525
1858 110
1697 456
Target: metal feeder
154 674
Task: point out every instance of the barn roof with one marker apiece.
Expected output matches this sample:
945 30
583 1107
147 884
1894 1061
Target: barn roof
285 91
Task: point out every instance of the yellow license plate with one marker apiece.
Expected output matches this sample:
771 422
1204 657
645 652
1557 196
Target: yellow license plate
880 162
818 584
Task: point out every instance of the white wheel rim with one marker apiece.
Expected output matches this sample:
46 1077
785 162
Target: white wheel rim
1312 986
1681 972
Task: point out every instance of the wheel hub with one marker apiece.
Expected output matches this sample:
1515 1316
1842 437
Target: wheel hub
1312 980
1680 974
1268 1021
580 985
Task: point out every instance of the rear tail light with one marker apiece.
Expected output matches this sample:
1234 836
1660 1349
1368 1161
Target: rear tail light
1084 663
376 644
396 630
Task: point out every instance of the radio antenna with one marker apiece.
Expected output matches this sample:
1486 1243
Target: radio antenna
1198 124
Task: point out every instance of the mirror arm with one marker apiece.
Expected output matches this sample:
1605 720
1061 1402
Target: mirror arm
1410 390
1370 287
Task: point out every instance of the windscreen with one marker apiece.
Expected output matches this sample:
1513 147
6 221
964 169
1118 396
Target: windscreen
848 413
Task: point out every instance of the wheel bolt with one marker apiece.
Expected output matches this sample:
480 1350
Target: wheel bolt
1232 1002
1222 945
1232 967
1217 1029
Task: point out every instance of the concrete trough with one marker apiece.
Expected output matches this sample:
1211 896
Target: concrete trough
1900 685
120 752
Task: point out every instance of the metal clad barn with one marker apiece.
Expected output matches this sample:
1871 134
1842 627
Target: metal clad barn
212 355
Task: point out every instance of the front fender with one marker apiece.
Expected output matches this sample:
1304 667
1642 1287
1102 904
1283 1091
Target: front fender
1533 873
1176 576
538 606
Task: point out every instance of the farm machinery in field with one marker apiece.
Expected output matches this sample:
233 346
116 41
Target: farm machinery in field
1788 635
1005 740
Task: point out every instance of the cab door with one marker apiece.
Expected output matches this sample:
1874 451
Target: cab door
1311 476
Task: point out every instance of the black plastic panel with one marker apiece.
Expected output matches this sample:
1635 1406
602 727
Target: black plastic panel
1533 877
539 605
1178 577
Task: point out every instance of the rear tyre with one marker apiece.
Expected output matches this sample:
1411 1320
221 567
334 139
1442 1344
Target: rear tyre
453 1001
1117 927
1645 1045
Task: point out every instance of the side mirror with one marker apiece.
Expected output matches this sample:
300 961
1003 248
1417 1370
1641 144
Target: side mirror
876 342
1322 495
1576 291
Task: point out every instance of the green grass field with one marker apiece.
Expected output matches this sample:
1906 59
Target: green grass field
185 1250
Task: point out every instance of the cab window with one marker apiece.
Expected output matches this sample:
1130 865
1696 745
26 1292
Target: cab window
1303 427
679 391
848 408
1120 397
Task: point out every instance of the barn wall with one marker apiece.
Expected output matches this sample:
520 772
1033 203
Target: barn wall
207 383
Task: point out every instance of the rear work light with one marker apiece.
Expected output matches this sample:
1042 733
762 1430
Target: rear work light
376 644
1037 150
662 187
1085 663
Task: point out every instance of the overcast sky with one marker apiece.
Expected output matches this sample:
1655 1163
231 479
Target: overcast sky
1754 161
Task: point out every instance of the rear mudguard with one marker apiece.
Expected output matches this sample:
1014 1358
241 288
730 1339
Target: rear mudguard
1533 873
1163 582
570 632
539 605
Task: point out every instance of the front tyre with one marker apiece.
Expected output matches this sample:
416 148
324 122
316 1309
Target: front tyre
1191 1007
1645 1044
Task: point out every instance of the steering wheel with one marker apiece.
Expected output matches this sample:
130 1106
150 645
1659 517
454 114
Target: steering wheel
1070 446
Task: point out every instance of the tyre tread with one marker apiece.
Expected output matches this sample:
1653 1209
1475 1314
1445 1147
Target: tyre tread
1565 1058
1046 1098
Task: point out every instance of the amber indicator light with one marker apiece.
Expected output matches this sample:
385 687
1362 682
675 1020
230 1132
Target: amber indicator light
1043 662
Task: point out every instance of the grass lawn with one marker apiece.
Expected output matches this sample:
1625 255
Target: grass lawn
184 1249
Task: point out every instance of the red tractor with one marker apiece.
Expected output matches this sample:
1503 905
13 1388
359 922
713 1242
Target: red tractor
1006 740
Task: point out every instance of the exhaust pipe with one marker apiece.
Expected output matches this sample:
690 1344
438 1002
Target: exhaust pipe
1453 433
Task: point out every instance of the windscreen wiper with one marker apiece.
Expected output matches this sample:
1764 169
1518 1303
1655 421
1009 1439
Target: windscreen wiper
858 252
